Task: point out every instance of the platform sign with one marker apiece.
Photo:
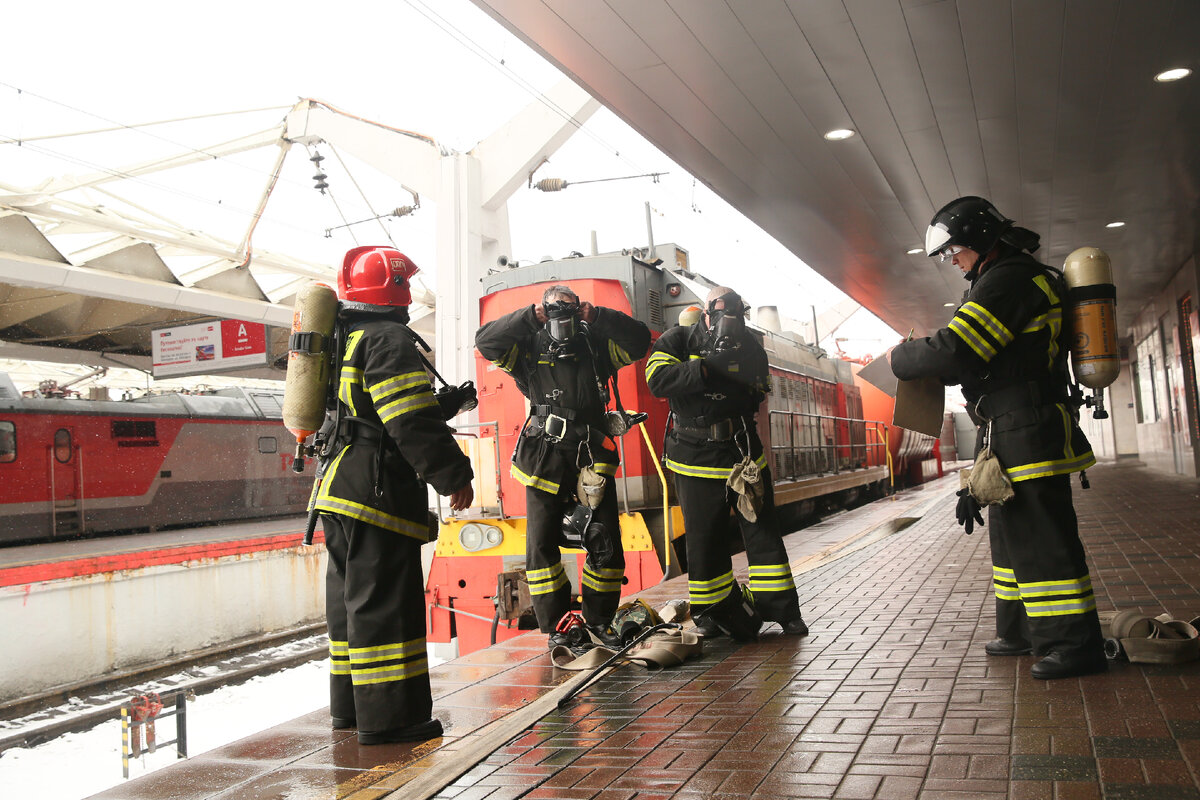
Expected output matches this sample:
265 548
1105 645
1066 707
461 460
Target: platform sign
208 348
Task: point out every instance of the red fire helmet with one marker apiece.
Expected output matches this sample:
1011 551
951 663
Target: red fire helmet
376 276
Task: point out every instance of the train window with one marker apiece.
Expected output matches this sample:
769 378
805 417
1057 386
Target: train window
62 445
268 444
8 442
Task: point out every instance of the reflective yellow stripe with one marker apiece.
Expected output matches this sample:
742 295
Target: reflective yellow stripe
603 579
347 379
605 468
710 591
657 360
407 405
352 344
1004 573
1006 592
988 321
1044 285
973 339
385 652
771 578
394 672
339 658
545 581
1080 586
508 360
408 380
380 519
1044 469
1060 608
533 480
338 648
721 473
618 355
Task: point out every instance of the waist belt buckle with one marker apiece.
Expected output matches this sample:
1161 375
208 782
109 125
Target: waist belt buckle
555 427
720 431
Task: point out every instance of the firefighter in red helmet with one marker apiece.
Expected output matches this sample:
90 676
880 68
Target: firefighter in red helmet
1004 345
390 440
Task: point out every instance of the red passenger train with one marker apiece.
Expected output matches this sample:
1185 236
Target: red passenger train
71 466
822 450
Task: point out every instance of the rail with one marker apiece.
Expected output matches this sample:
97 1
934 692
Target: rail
820 444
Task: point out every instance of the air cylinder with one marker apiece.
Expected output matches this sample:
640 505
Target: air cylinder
309 363
1092 308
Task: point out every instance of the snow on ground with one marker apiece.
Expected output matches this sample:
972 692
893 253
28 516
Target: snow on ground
78 765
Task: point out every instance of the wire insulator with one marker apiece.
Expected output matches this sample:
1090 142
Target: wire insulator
551 184
402 211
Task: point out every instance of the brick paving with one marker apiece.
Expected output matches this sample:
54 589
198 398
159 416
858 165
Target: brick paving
891 697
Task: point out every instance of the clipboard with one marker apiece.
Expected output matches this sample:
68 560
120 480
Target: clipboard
879 374
920 406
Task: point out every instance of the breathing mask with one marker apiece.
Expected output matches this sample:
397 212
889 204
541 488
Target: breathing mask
581 532
563 322
727 322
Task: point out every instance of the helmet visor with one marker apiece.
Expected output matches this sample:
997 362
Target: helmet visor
936 238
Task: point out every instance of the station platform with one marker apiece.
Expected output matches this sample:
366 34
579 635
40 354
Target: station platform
891 695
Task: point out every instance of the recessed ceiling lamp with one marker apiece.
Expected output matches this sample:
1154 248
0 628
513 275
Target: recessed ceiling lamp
837 134
947 305
1116 224
916 250
1172 74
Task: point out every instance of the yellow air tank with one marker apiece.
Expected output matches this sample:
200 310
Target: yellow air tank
309 364
1092 308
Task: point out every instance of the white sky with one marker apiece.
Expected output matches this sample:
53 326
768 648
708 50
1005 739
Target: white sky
443 69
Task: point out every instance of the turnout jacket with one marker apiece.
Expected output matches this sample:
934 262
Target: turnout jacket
673 371
570 383
1005 346
379 466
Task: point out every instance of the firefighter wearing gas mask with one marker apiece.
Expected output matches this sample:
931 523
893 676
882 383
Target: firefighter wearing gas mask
563 355
1005 346
384 441
715 375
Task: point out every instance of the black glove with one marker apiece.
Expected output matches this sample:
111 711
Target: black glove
967 512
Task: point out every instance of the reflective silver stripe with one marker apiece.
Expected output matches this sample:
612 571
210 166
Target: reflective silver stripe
1060 608
974 340
395 672
545 581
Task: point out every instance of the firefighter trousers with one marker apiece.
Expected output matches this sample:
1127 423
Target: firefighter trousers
375 603
603 569
1039 572
706 503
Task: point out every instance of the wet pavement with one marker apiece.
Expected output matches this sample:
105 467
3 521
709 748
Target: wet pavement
891 695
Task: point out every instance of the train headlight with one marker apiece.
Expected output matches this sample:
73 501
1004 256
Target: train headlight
474 537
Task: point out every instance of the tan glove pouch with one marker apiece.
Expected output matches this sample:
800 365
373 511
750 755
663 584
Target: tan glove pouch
590 487
987 481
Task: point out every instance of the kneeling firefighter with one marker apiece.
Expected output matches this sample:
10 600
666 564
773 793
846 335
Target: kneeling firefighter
562 355
384 439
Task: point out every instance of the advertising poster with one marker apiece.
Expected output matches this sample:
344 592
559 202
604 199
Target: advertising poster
208 348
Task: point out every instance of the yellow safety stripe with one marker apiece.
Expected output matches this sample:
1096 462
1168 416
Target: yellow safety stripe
407 405
399 383
1060 608
394 672
1006 592
974 340
1004 581
1044 285
339 657
373 516
721 473
602 579
618 355
386 652
710 591
509 360
1044 469
987 321
771 578
533 480
605 468
1052 321
658 359
545 581
1079 586
347 379
351 344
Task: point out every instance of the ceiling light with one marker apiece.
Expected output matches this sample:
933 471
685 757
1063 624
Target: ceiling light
838 134
1172 74
947 305
916 250
1117 224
